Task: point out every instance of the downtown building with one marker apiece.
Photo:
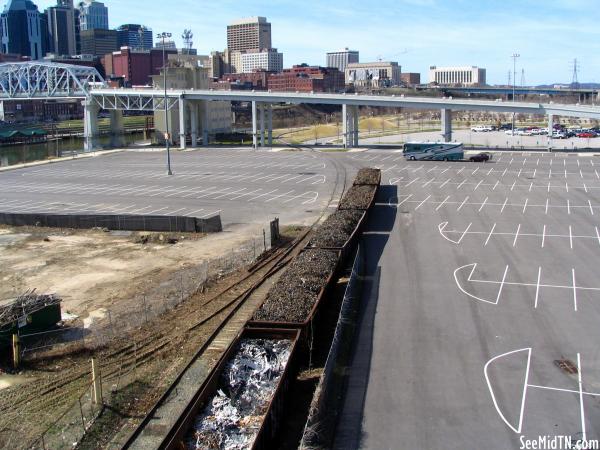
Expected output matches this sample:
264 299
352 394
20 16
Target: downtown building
135 36
342 58
23 29
93 15
304 78
131 67
457 76
374 75
63 28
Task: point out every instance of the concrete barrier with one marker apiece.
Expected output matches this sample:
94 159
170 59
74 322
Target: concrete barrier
115 222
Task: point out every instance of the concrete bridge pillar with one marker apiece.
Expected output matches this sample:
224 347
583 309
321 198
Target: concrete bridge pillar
270 125
262 124
182 123
550 131
345 125
194 123
117 128
447 125
205 135
90 125
355 117
254 126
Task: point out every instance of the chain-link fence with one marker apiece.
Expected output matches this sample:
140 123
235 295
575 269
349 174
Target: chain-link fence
320 425
98 330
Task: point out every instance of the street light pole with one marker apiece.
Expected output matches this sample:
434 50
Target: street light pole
163 36
514 57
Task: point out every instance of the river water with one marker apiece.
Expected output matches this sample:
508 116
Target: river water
18 154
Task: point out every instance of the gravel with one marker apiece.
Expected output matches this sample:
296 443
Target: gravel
336 230
358 197
368 176
292 298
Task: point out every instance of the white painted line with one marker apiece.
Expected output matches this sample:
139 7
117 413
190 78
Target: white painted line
442 204
574 290
478 184
591 209
490 235
463 203
278 196
581 409
483 204
504 205
193 213
502 284
423 202
262 195
513 186
598 235
444 183
461 184
496 185
568 206
547 204
516 236
464 233
571 236
544 236
403 201
537 288
525 206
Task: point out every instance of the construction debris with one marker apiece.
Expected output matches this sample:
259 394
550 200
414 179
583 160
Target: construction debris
24 305
233 417
368 176
292 298
358 197
336 230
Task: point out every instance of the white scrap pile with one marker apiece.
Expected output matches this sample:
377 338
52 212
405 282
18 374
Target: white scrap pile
232 418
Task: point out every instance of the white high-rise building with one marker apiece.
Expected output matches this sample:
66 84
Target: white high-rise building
457 76
342 58
269 60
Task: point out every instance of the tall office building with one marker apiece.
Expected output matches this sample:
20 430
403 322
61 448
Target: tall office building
249 34
62 28
457 75
22 31
135 36
99 42
93 15
342 58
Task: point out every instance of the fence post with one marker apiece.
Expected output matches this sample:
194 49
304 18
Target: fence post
81 412
16 344
265 240
97 397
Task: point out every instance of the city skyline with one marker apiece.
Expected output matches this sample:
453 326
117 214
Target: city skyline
548 35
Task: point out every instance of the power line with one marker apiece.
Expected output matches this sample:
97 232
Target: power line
522 77
575 80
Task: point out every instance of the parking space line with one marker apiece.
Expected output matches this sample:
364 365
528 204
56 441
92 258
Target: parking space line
568 206
483 204
547 205
571 236
525 206
443 202
537 288
504 205
544 236
461 184
580 383
591 208
574 290
463 203
490 235
478 184
598 235
279 196
423 202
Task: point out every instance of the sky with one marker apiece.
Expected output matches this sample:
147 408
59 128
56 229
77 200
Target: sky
548 34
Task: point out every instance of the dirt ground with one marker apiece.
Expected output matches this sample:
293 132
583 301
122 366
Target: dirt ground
95 269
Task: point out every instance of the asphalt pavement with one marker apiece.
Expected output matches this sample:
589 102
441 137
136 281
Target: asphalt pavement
479 325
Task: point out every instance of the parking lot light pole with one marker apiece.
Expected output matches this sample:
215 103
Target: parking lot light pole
514 57
163 36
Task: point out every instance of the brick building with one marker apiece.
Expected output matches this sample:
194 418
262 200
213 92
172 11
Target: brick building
258 80
134 67
305 78
410 78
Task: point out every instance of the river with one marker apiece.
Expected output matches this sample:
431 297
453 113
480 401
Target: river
39 151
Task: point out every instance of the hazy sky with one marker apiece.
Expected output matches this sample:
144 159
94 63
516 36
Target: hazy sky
549 34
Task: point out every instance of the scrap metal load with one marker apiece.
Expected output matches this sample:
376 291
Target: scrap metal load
30 312
233 417
293 297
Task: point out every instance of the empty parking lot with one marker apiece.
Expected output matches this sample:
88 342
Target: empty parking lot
481 322
242 185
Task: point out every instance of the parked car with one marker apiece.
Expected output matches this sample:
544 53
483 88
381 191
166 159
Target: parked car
481 157
559 135
587 134
505 126
482 129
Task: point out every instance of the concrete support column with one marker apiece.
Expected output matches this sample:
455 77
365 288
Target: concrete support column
90 125
550 131
355 117
345 125
447 125
194 123
182 123
117 128
254 127
205 123
262 124
270 125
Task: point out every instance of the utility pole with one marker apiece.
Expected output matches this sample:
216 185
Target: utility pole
575 81
164 36
514 57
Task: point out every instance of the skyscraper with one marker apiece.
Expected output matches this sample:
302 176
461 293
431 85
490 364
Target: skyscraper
62 28
342 58
135 36
249 34
93 15
21 29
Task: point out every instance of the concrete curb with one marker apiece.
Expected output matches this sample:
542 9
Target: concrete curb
59 160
